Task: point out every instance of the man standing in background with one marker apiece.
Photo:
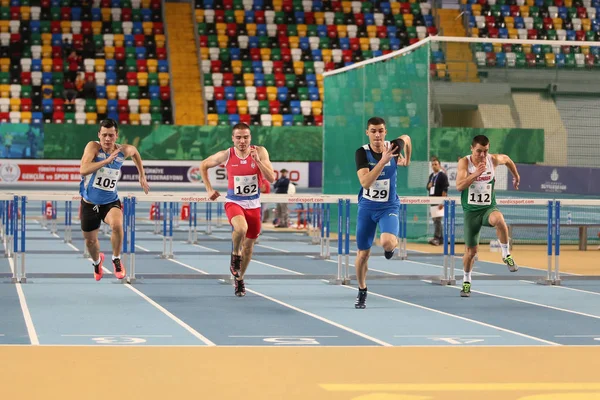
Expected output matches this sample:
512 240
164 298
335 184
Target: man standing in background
281 187
437 186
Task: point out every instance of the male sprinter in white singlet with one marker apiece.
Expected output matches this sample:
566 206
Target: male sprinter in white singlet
247 167
100 171
476 178
378 204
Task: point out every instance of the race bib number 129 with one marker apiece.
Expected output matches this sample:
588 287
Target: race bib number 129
379 191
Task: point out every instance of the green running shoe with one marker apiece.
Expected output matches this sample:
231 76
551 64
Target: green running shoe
510 263
466 290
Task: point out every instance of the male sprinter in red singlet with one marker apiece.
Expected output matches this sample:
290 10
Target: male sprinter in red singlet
246 167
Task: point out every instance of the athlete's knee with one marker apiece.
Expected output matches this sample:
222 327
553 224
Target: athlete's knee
90 242
496 220
388 241
471 252
116 227
362 255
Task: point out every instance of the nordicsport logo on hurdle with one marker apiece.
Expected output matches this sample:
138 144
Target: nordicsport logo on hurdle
515 201
306 200
194 199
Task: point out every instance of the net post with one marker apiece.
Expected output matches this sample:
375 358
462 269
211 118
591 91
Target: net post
405 231
451 277
219 215
556 280
346 280
195 234
23 231
15 238
190 225
340 222
125 243
327 229
164 215
171 212
132 238
208 218
398 255
322 232
549 232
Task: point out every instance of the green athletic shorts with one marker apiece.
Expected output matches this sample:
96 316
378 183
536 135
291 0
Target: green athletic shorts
474 220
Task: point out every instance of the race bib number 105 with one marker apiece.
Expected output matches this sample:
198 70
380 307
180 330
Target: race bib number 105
106 179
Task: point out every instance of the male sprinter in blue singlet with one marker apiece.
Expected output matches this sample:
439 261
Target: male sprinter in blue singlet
376 167
100 171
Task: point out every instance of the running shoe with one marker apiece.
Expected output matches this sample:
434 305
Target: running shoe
361 300
240 288
98 271
510 263
118 268
389 254
466 290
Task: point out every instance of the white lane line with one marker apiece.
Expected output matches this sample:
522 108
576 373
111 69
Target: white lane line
179 322
25 309
458 317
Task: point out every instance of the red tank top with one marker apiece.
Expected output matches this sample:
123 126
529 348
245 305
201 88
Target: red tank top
243 178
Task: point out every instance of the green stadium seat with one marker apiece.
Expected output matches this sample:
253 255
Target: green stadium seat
133 92
90 105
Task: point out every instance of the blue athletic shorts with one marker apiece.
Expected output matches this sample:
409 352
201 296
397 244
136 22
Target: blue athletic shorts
367 221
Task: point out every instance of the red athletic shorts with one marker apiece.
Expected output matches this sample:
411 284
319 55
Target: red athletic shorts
251 215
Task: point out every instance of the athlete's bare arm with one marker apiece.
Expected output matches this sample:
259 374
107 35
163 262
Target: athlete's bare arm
88 166
261 156
131 151
210 162
503 159
405 160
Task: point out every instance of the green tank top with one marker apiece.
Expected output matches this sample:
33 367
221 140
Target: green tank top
480 195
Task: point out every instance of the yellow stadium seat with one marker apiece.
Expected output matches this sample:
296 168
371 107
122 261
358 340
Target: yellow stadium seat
302 30
271 93
100 65
550 60
97 27
213 119
319 18
142 78
26 117
15 104
134 119
277 119
199 16
248 79
119 40
144 106
152 64
106 14
242 106
239 16
26 13
299 67
147 27
163 78
101 105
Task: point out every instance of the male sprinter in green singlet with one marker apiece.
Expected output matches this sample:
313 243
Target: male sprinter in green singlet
476 178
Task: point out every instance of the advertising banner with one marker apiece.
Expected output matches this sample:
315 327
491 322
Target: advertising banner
562 180
158 173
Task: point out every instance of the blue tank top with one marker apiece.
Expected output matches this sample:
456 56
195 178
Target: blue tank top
100 187
382 193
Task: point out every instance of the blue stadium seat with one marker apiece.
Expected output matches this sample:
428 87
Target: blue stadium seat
288 120
47 106
112 106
